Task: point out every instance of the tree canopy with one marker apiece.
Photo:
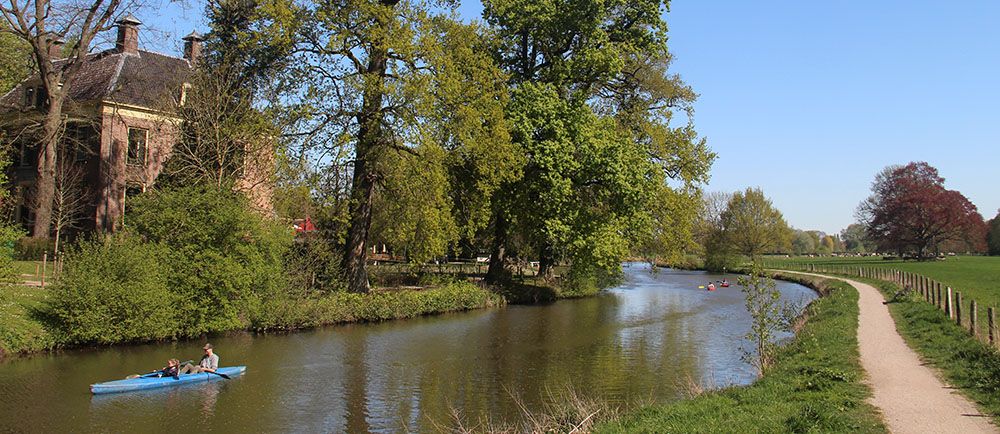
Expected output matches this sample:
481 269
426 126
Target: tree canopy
910 211
753 226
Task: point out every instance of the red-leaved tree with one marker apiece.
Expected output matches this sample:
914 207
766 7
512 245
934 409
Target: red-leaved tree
911 211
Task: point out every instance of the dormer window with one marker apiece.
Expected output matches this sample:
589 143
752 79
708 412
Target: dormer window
29 97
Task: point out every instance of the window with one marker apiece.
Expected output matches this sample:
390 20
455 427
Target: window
137 138
29 97
29 154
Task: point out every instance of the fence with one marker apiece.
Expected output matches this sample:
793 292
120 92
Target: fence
965 313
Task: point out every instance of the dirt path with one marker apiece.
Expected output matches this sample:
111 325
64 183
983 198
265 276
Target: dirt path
910 395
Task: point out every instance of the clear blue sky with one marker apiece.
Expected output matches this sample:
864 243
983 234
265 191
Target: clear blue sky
808 100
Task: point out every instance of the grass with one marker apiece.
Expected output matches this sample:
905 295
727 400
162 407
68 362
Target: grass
20 330
967 364
814 387
977 277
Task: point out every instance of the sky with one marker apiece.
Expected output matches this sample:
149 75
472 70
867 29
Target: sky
809 100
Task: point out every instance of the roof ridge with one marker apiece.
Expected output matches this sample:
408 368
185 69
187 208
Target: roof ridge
114 79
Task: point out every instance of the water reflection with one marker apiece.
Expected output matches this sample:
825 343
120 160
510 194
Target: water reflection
638 341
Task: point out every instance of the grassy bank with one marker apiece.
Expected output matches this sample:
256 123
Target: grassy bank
815 386
966 363
25 325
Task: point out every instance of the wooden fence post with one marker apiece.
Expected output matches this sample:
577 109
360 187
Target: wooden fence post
991 325
45 261
972 319
949 309
958 310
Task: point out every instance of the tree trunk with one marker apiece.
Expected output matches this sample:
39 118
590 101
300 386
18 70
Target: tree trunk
45 185
546 261
365 172
496 273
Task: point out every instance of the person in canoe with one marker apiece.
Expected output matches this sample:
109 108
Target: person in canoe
725 283
171 370
209 362
711 286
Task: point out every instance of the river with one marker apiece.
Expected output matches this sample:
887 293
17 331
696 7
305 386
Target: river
637 342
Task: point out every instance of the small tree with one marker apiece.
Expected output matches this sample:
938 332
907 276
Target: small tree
69 200
767 315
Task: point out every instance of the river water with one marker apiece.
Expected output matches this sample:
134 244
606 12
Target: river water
640 341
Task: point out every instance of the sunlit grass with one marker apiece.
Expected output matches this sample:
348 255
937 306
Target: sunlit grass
814 387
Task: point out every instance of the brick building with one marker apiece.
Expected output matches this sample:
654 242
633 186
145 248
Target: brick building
120 126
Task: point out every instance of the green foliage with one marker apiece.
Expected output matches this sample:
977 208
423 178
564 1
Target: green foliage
339 307
993 236
223 258
9 235
32 249
115 289
814 386
762 302
15 56
753 226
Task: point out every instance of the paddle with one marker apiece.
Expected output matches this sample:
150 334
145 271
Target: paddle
219 374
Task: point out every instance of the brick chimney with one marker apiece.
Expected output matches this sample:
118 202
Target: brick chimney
55 48
128 35
192 47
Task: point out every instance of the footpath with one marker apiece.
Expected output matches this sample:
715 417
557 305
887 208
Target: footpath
911 396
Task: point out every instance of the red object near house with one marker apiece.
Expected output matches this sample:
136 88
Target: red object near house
303 226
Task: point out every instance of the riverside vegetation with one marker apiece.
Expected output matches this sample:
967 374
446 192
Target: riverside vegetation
814 385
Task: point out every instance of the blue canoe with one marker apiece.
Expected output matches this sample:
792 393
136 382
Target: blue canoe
152 382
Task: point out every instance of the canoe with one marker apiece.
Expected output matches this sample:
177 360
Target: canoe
153 382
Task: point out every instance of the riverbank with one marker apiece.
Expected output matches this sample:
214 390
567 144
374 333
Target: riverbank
26 325
816 385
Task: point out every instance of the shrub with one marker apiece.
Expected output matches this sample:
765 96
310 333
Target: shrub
31 249
8 239
114 289
224 258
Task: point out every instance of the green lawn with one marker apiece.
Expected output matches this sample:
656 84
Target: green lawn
815 387
20 329
976 277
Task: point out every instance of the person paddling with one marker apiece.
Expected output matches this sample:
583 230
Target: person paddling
711 286
171 370
209 362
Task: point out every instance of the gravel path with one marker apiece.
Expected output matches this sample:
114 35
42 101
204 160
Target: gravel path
910 395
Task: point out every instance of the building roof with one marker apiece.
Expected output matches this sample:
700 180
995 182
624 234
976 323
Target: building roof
147 79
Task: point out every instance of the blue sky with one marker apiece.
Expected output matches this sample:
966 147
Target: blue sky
808 100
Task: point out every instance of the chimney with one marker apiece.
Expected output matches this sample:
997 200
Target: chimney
55 48
128 35
192 47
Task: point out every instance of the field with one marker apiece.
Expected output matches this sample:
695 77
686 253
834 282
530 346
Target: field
976 277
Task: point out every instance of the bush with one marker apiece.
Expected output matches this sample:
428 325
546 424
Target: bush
114 289
224 258
8 240
31 249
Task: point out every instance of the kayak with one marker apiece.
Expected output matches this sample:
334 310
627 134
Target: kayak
153 382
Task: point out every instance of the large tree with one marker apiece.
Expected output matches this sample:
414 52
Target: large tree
854 238
594 105
910 210
44 25
753 225
403 100
993 237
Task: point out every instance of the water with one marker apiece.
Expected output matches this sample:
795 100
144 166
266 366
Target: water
642 340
